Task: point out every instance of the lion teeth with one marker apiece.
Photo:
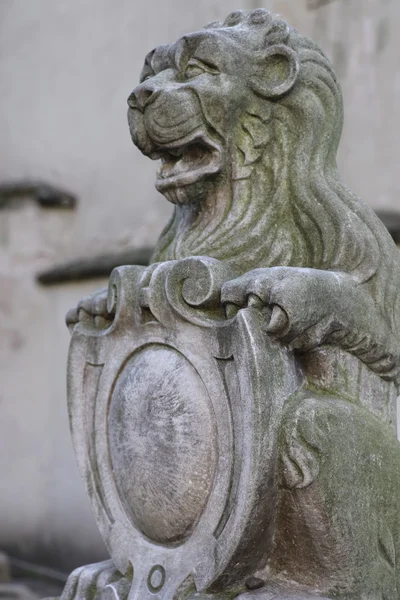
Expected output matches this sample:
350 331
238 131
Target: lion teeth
191 160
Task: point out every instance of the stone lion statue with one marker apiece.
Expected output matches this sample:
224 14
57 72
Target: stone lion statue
245 117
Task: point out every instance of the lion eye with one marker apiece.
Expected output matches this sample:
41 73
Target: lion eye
146 74
195 68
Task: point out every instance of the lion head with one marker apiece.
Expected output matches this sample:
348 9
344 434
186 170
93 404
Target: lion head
246 117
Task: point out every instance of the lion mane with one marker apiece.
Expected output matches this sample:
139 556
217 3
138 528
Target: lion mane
307 218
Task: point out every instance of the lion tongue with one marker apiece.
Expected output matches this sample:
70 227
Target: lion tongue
171 168
192 158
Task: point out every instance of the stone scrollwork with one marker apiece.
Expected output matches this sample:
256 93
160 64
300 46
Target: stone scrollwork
233 405
192 287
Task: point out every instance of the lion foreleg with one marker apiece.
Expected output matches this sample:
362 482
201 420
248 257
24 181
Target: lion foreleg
311 307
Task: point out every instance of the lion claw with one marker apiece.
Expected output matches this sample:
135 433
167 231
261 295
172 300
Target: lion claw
278 321
252 290
231 310
254 301
91 310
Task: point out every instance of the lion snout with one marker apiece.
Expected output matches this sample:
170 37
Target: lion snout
142 95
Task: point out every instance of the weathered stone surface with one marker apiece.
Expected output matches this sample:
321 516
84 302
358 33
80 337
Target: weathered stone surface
163 398
233 405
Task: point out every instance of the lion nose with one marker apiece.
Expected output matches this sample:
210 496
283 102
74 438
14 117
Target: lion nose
141 96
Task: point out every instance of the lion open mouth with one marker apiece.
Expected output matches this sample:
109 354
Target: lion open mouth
185 163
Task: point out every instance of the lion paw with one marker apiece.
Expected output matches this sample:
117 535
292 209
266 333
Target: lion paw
86 583
302 301
91 310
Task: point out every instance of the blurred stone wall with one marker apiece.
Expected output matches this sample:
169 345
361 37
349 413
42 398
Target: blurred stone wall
66 69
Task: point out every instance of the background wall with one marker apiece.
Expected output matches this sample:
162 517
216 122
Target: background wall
66 69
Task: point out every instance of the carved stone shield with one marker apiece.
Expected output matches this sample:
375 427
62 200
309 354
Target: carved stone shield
175 412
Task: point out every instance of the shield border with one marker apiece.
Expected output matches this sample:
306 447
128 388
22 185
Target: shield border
248 378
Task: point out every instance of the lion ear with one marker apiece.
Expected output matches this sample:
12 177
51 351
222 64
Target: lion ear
277 33
277 71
